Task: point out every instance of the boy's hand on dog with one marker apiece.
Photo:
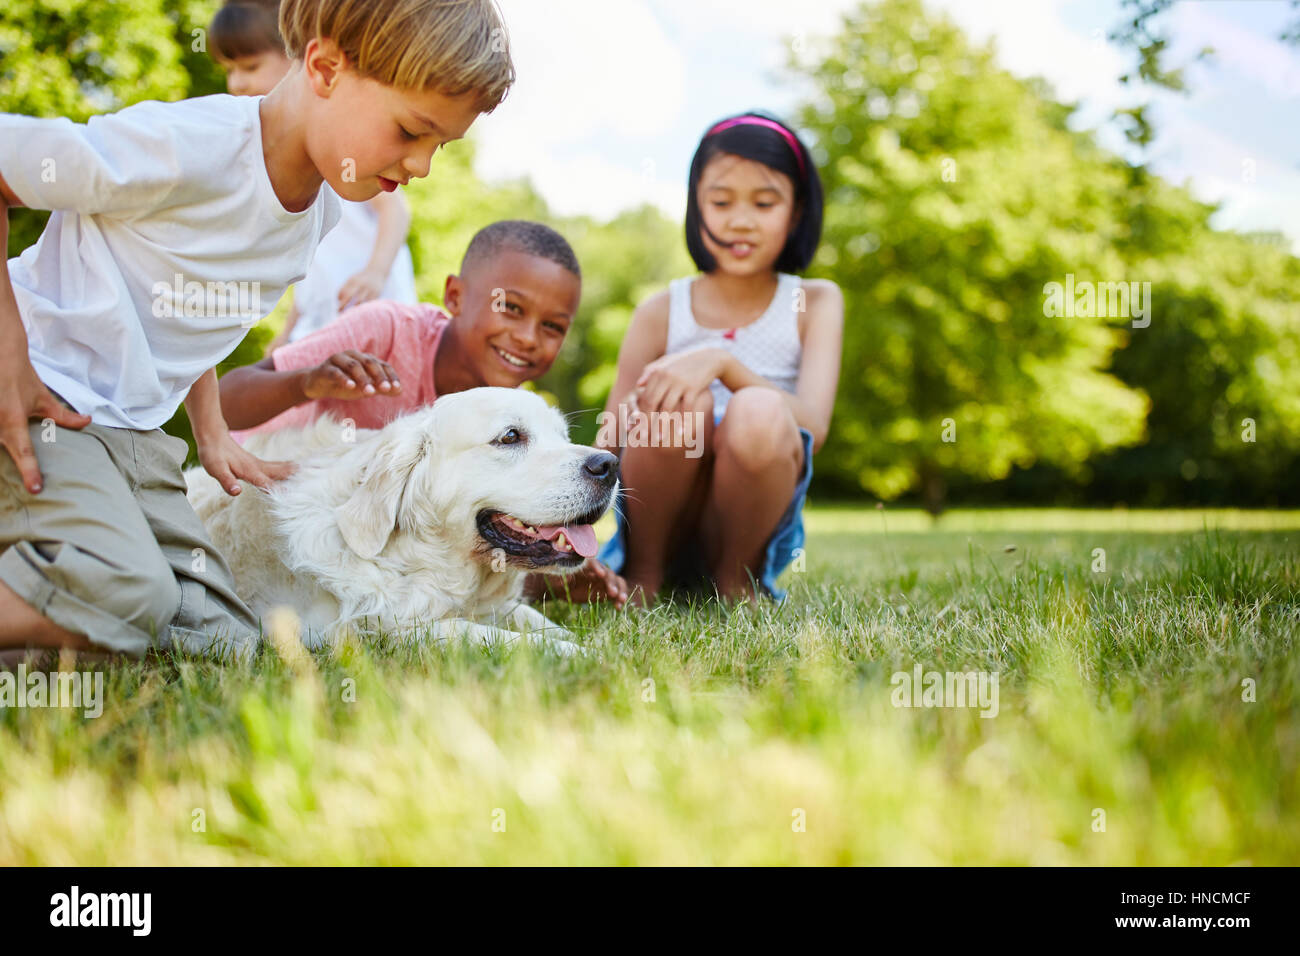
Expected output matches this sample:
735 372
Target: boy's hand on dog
23 396
666 382
350 374
227 461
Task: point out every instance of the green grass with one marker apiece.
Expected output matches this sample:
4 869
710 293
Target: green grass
697 734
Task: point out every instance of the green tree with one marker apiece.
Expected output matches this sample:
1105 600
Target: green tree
1221 364
955 192
1226 314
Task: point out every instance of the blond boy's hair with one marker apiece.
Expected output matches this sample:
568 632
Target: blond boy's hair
451 46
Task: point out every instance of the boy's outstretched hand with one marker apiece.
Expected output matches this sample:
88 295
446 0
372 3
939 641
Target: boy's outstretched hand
350 374
226 460
591 582
23 396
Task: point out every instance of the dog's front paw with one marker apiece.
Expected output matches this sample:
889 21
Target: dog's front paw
528 619
555 645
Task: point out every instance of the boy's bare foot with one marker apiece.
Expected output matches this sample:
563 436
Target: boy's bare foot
22 627
36 658
51 658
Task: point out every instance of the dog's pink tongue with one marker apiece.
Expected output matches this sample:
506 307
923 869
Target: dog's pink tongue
581 536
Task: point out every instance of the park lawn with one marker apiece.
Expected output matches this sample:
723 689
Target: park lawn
698 735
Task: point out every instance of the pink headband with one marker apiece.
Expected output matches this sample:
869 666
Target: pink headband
760 121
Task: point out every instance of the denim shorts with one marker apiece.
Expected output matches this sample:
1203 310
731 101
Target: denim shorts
687 570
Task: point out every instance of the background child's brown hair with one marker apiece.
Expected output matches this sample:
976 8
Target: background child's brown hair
245 28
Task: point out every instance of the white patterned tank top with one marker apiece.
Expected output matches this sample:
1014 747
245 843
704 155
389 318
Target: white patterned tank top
769 346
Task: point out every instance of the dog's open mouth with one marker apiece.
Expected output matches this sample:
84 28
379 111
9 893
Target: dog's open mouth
568 544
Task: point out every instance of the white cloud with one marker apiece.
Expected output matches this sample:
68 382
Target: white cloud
1252 56
1255 191
775 18
589 73
586 67
589 184
1031 39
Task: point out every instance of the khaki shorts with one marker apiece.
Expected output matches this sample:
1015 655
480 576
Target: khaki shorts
112 549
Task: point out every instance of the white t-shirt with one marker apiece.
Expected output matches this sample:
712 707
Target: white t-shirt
340 256
166 245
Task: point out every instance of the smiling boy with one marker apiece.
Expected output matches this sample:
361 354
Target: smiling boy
98 546
507 313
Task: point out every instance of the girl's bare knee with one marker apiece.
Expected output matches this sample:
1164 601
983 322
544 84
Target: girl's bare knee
758 430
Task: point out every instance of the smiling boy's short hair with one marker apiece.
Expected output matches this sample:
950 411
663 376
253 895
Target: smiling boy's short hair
530 238
453 47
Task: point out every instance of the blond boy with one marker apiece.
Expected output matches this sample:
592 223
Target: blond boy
175 227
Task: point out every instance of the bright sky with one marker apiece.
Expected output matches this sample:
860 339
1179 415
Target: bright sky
613 94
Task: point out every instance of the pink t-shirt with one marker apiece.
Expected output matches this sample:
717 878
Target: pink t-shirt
404 336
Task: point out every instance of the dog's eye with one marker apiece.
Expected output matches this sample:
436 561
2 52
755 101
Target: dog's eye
512 436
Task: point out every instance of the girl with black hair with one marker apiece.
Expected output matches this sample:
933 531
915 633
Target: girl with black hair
726 380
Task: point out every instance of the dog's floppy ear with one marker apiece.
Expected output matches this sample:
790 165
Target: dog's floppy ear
368 517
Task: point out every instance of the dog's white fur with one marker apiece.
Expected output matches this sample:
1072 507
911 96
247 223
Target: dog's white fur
379 528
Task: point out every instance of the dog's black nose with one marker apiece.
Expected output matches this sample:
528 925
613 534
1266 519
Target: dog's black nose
603 467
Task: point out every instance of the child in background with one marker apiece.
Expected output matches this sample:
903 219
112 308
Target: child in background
385 359
171 224
747 350
365 256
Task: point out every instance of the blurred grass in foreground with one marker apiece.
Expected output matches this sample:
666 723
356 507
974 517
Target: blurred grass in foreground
697 735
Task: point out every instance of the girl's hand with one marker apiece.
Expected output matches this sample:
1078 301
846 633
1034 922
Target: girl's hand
351 374
362 287
669 380
226 460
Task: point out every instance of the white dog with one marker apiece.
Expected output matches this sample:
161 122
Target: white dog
424 528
